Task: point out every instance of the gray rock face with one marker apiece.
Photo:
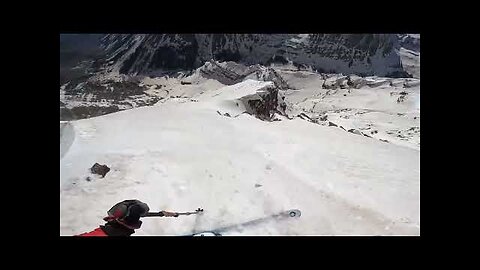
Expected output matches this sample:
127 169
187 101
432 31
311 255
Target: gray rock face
363 54
265 104
77 53
410 42
231 73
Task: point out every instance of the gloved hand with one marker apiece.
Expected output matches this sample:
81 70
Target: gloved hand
128 213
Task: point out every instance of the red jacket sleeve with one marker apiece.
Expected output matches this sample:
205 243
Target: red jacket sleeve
96 232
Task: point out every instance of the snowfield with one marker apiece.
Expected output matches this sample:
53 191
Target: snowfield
181 154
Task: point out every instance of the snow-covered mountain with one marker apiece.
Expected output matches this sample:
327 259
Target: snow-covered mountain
361 54
245 126
109 81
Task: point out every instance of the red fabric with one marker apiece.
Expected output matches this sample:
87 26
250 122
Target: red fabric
96 232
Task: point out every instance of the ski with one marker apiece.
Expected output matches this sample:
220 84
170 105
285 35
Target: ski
206 233
292 213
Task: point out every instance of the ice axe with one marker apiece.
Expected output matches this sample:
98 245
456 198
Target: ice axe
172 214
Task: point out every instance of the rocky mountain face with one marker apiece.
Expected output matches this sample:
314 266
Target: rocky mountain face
78 52
229 73
361 54
410 41
410 53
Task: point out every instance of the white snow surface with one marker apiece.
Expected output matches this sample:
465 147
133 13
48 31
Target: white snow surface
180 155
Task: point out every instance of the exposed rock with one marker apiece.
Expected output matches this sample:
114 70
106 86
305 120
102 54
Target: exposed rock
410 41
354 131
81 112
304 117
231 73
94 98
100 169
227 73
264 104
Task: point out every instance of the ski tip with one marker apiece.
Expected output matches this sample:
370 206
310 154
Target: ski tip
203 233
207 233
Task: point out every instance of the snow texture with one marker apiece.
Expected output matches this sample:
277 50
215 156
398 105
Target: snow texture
181 154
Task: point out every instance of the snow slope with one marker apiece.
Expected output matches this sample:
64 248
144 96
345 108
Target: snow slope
383 108
181 154
67 135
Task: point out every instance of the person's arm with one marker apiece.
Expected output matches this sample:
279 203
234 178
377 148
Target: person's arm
97 232
122 220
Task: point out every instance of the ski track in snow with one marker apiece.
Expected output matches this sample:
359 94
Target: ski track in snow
182 155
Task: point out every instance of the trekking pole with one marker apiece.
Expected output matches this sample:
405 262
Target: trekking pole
172 214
